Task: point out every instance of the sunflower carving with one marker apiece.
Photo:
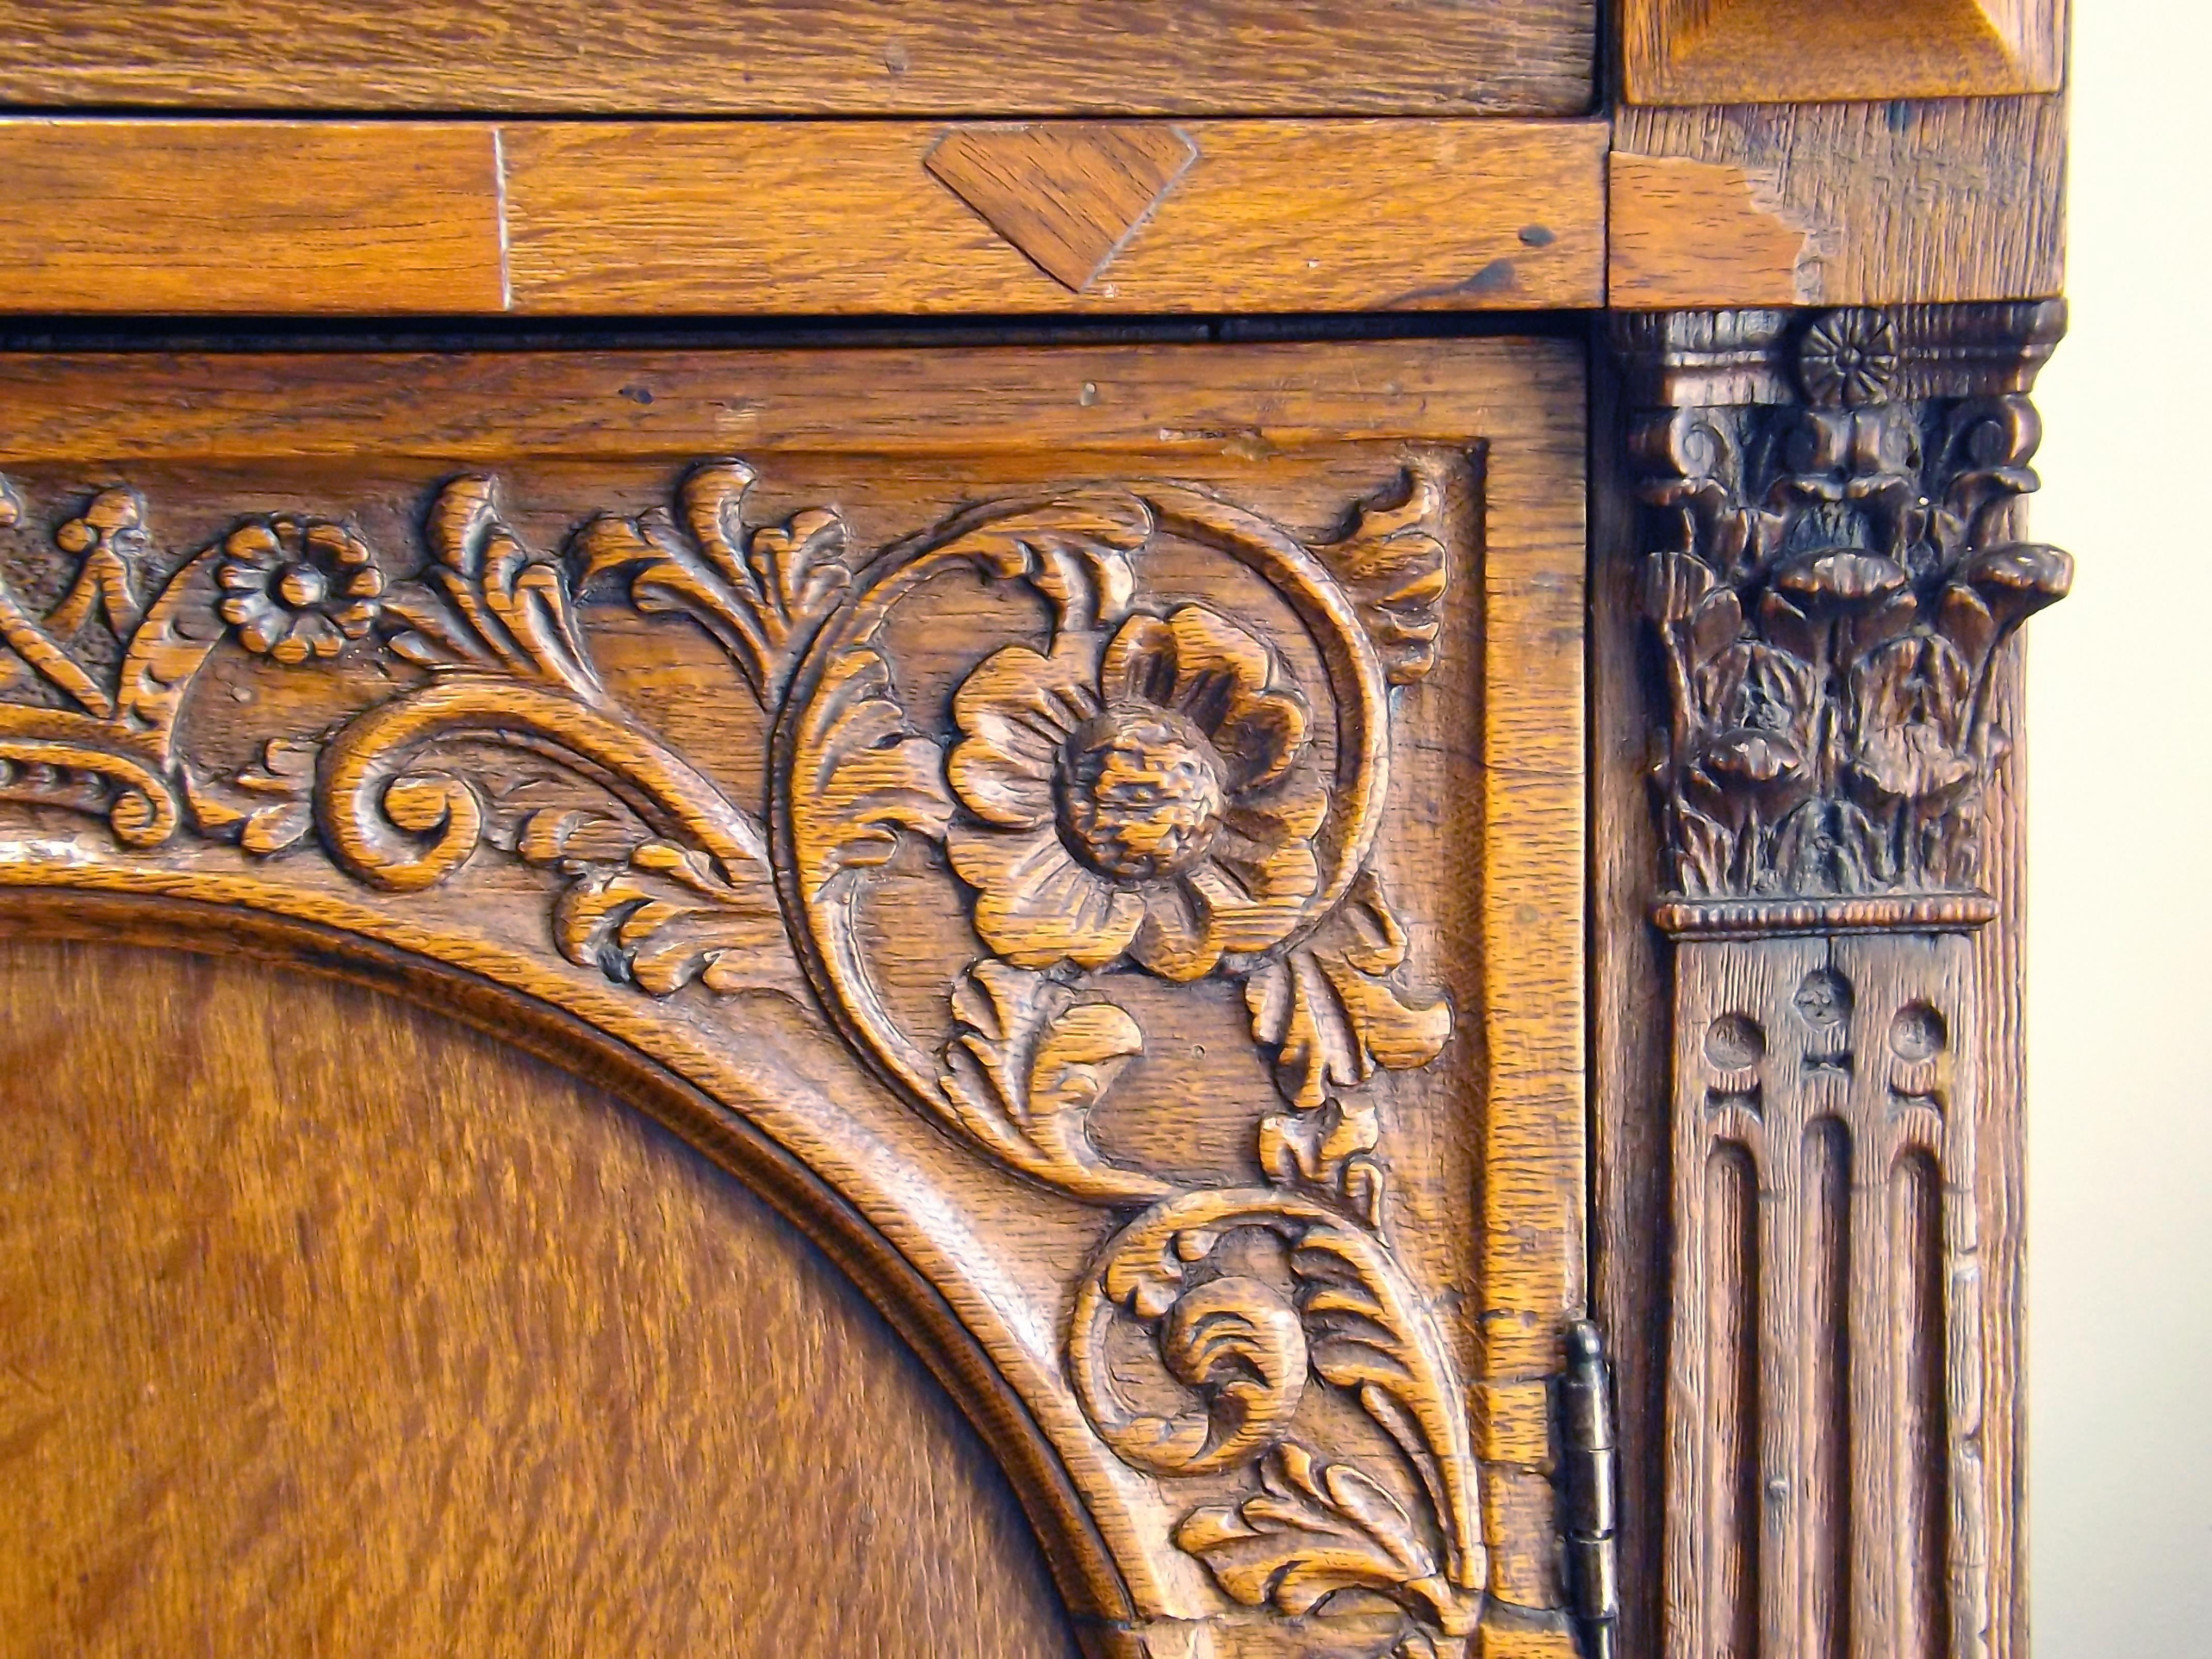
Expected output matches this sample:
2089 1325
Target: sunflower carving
1142 799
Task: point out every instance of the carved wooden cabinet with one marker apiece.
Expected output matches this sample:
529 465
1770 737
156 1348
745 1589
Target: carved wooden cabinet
1183 832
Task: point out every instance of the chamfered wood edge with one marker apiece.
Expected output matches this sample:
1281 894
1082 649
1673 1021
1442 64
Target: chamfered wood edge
1666 53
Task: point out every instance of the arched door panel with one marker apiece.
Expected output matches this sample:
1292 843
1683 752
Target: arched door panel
332 1327
1112 870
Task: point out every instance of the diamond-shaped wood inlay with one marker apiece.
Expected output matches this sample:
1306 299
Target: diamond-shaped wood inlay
1068 194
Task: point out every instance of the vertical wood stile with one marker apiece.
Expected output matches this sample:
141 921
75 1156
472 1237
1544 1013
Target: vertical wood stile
1830 580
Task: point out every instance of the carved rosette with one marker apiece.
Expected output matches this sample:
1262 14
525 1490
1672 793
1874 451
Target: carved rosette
1151 786
1831 568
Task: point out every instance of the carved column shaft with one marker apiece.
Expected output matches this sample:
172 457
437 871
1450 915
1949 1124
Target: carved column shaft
1830 577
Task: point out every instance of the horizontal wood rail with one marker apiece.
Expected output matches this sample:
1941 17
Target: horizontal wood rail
805 217
1866 203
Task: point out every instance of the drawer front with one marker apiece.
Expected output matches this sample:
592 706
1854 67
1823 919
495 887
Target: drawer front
1095 833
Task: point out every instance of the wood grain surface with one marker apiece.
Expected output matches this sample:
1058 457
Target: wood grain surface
1093 813
1777 52
294 217
1631 1020
1249 401
1849 204
332 1323
1066 193
792 57
1271 215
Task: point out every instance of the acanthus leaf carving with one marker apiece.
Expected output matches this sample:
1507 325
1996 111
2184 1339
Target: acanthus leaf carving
869 774
1392 562
759 595
1246 1348
487 602
1313 1529
671 915
1831 583
1073 549
1329 1010
1031 1058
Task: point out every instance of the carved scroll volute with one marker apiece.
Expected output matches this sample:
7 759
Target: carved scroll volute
1243 1346
1831 573
1136 788
1151 786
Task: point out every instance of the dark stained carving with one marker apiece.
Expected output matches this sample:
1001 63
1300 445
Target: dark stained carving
1828 1352
1831 568
1830 576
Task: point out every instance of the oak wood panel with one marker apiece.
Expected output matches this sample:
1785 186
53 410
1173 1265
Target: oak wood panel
1716 51
328 1317
1270 215
1250 401
1376 549
1852 203
294 217
795 57
291 218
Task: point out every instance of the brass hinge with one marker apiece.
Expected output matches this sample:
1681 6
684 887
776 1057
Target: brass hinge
1590 1491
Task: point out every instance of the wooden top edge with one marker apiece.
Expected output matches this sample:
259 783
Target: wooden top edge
775 57
1248 399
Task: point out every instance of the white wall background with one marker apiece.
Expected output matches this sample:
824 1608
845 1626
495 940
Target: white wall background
2120 856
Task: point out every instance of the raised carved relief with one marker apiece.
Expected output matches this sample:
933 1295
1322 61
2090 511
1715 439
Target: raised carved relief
1831 569
1826 1385
1831 579
1160 773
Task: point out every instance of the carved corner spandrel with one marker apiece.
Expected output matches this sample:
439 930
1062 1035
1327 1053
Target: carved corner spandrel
1830 576
1029 862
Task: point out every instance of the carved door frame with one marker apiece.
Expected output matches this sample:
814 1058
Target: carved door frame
362 848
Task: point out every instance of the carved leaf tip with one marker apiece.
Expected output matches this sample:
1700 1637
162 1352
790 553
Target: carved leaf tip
489 601
760 595
1393 561
1313 1529
1328 1010
1032 1058
668 917
871 774
1073 549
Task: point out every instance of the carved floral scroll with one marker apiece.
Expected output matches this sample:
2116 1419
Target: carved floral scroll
1124 786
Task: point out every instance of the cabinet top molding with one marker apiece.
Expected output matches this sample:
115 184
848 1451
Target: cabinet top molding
1768 52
